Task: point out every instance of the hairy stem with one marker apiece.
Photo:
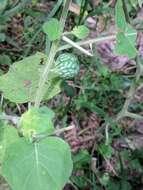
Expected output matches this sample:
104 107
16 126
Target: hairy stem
44 76
50 15
124 112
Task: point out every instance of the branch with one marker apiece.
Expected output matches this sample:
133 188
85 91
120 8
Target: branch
13 119
73 44
94 40
124 112
41 91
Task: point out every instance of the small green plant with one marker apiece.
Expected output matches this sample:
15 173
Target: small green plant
32 156
31 149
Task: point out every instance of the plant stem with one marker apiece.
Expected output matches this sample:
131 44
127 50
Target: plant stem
44 76
50 15
41 91
56 132
124 112
126 11
107 134
18 8
10 118
134 116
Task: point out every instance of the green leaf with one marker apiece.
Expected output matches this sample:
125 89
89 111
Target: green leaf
126 37
125 185
121 47
80 31
1 139
20 84
126 43
69 90
53 29
103 70
46 165
140 2
104 180
113 185
3 4
5 60
34 2
120 16
2 37
106 150
134 4
37 121
82 157
9 135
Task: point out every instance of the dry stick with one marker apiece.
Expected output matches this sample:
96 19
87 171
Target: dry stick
73 44
13 119
56 132
44 76
92 41
62 130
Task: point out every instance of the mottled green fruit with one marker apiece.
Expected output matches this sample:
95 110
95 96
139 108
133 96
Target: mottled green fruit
37 121
67 66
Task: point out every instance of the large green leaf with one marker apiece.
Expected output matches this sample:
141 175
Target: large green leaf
21 82
126 36
1 139
126 42
1 130
46 165
8 136
37 121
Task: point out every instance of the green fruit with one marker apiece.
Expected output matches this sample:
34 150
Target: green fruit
66 66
